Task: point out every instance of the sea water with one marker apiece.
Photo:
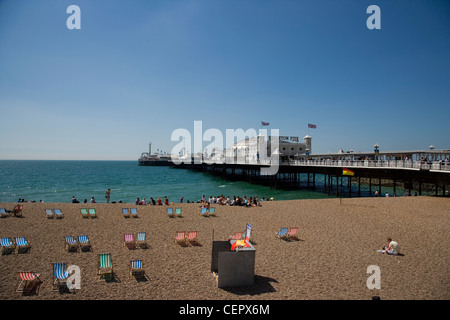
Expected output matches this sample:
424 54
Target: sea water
58 181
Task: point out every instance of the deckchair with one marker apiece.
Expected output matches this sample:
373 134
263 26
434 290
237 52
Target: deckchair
3 213
204 211
60 275
7 245
141 240
136 269
212 211
178 212
92 213
292 233
50 214
21 243
192 237
134 213
59 214
170 212
125 212
84 213
180 237
129 241
71 244
28 281
84 242
282 233
105 267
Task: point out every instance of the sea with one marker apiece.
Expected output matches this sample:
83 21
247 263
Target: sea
60 180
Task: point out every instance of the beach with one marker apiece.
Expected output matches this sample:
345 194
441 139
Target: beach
338 241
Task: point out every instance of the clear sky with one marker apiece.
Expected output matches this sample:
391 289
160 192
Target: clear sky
139 69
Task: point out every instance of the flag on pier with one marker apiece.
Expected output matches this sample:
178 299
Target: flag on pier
347 172
313 126
264 123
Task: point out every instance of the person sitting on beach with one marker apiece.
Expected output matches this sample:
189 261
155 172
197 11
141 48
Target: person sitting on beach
93 200
159 201
166 200
153 201
137 201
392 248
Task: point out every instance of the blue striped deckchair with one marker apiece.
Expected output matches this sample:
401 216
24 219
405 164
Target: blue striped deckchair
134 213
178 212
141 239
84 242
71 244
92 213
212 211
50 214
84 213
21 243
3 213
105 267
59 214
170 212
136 269
7 245
60 275
204 211
125 212
282 233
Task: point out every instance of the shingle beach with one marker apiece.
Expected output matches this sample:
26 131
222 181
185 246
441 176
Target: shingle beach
337 243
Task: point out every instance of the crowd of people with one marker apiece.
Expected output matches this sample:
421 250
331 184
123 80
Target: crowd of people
219 200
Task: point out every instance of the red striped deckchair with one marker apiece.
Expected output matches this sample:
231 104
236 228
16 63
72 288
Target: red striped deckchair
27 282
292 233
180 237
129 240
192 237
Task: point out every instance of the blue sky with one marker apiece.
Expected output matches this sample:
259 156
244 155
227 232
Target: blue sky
138 70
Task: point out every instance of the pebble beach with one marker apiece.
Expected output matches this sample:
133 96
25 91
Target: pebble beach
337 242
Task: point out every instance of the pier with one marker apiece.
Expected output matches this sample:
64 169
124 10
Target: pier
393 172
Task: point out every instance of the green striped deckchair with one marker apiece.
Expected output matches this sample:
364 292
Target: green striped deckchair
84 213
104 265
92 213
178 212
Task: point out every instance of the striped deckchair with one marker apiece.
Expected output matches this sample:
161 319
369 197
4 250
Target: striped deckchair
180 237
192 237
212 211
22 244
84 242
178 212
92 213
50 214
136 269
105 267
125 212
71 244
204 211
3 213
129 241
60 275
282 233
134 213
141 240
84 213
59 214
170 212
7 245
292 233
28 280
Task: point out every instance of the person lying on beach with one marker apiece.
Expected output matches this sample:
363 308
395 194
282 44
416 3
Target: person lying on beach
392 248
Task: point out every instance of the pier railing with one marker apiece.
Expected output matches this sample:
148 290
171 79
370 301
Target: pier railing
395 164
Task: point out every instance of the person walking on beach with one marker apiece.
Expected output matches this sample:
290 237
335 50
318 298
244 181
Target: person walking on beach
108 195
